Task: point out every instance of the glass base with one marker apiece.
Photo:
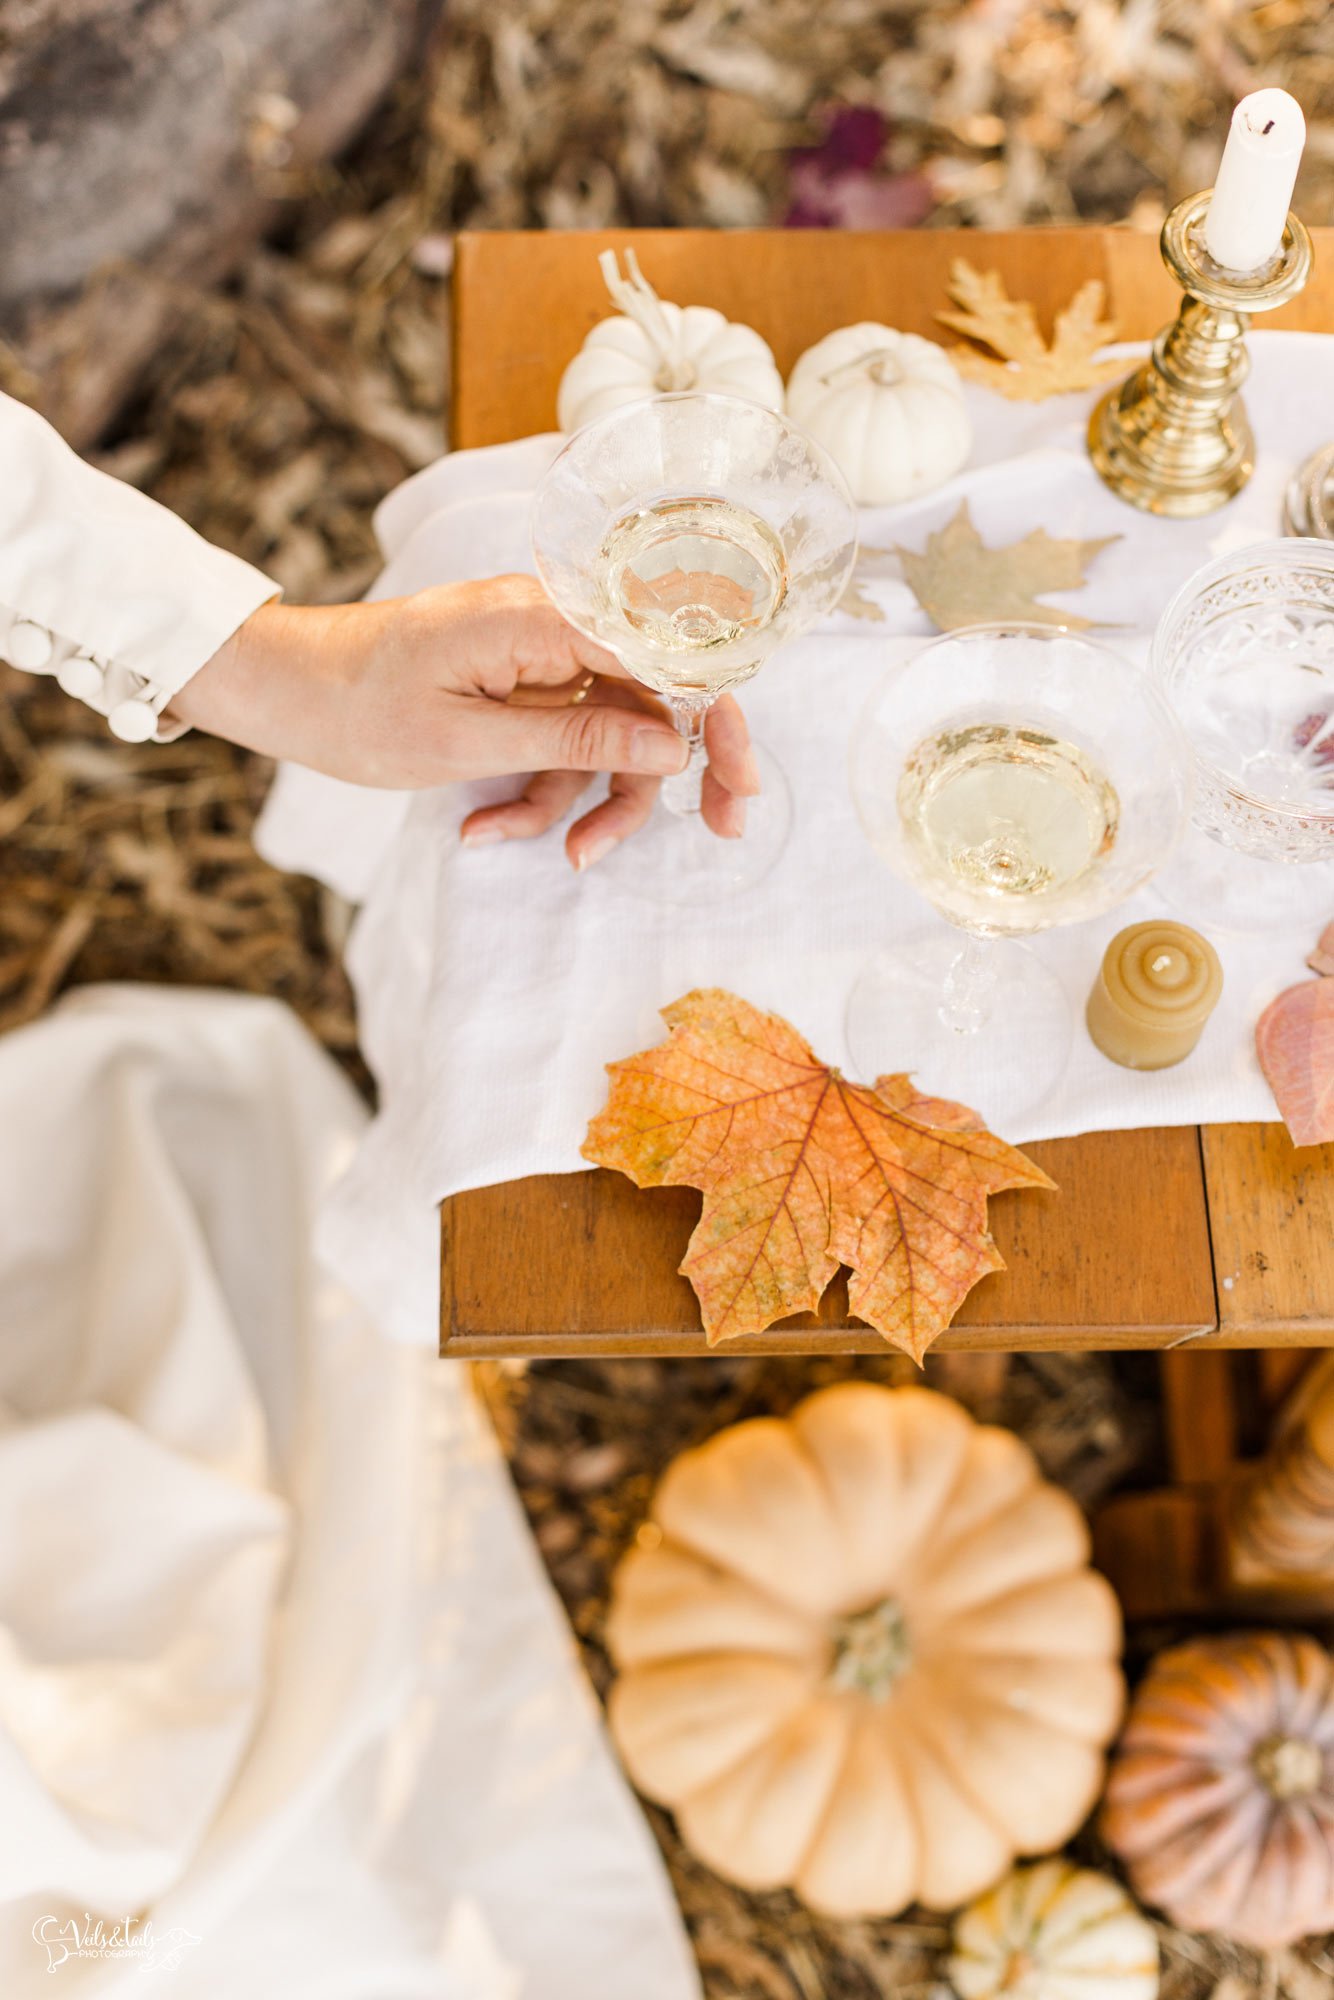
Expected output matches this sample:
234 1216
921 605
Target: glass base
1002 1069
1217 889
675 858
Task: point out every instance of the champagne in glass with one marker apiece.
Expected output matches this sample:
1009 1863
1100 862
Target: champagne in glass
1004 822
1019 776
693 535
690 580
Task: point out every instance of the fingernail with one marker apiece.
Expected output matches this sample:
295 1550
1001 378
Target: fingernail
750 773
482 836
655 751
734 819
596 851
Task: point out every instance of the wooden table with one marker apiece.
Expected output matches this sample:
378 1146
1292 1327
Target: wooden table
1222 1235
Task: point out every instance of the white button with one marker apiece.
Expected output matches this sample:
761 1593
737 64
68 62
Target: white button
81 677
133 721
29 646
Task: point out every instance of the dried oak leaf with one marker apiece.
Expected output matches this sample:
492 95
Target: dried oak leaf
802 1171
1029 370
871 562
1294 1039
856 604
958 580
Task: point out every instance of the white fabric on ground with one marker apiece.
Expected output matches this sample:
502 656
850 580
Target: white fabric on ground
279 1666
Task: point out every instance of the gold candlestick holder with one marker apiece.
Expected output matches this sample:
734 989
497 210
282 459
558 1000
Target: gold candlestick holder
1174 438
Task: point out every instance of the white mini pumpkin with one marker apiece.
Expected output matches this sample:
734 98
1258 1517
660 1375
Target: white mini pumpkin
1054 1932
861 1653
888 408
652 347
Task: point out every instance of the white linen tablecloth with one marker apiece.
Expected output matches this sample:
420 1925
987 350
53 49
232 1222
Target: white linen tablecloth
280 1669
493 985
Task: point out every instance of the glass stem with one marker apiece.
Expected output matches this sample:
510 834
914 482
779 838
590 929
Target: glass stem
970 985
683 793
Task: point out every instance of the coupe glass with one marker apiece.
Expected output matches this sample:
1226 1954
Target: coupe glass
691 535
1019 776
1245 654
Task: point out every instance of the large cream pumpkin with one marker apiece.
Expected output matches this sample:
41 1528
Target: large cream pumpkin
861 1653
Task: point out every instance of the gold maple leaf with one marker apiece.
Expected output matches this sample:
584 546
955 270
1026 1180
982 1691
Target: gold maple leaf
802 1171
1028 369
871 562
958 580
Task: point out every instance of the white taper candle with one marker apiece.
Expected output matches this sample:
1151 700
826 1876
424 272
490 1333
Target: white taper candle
1243 226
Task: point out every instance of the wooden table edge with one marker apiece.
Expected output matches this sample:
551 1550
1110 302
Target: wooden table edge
1309 1331
825 1340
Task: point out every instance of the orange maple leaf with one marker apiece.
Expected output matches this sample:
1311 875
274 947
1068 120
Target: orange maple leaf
802 1171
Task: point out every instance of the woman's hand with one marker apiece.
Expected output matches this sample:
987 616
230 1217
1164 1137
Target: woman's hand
469 680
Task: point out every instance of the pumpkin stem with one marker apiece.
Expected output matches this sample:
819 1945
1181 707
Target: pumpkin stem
880 363
871 1650
1290 1767
639 302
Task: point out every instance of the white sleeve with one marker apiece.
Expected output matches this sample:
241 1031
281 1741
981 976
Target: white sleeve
102 587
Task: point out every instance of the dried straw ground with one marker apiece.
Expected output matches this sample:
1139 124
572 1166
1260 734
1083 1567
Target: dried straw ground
283 408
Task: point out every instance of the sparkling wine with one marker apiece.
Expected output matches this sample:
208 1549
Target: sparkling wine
1004 822
689 581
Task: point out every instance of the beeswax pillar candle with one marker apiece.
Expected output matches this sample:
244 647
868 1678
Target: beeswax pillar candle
1157 986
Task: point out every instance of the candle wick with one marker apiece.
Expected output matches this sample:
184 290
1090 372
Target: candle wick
1163 960
1267 129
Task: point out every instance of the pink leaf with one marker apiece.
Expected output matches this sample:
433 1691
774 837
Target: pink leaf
1294 1040
1322 958
838 184
854 138
857 201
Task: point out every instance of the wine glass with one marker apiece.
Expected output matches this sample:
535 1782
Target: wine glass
691 535
1020 776
1245 654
